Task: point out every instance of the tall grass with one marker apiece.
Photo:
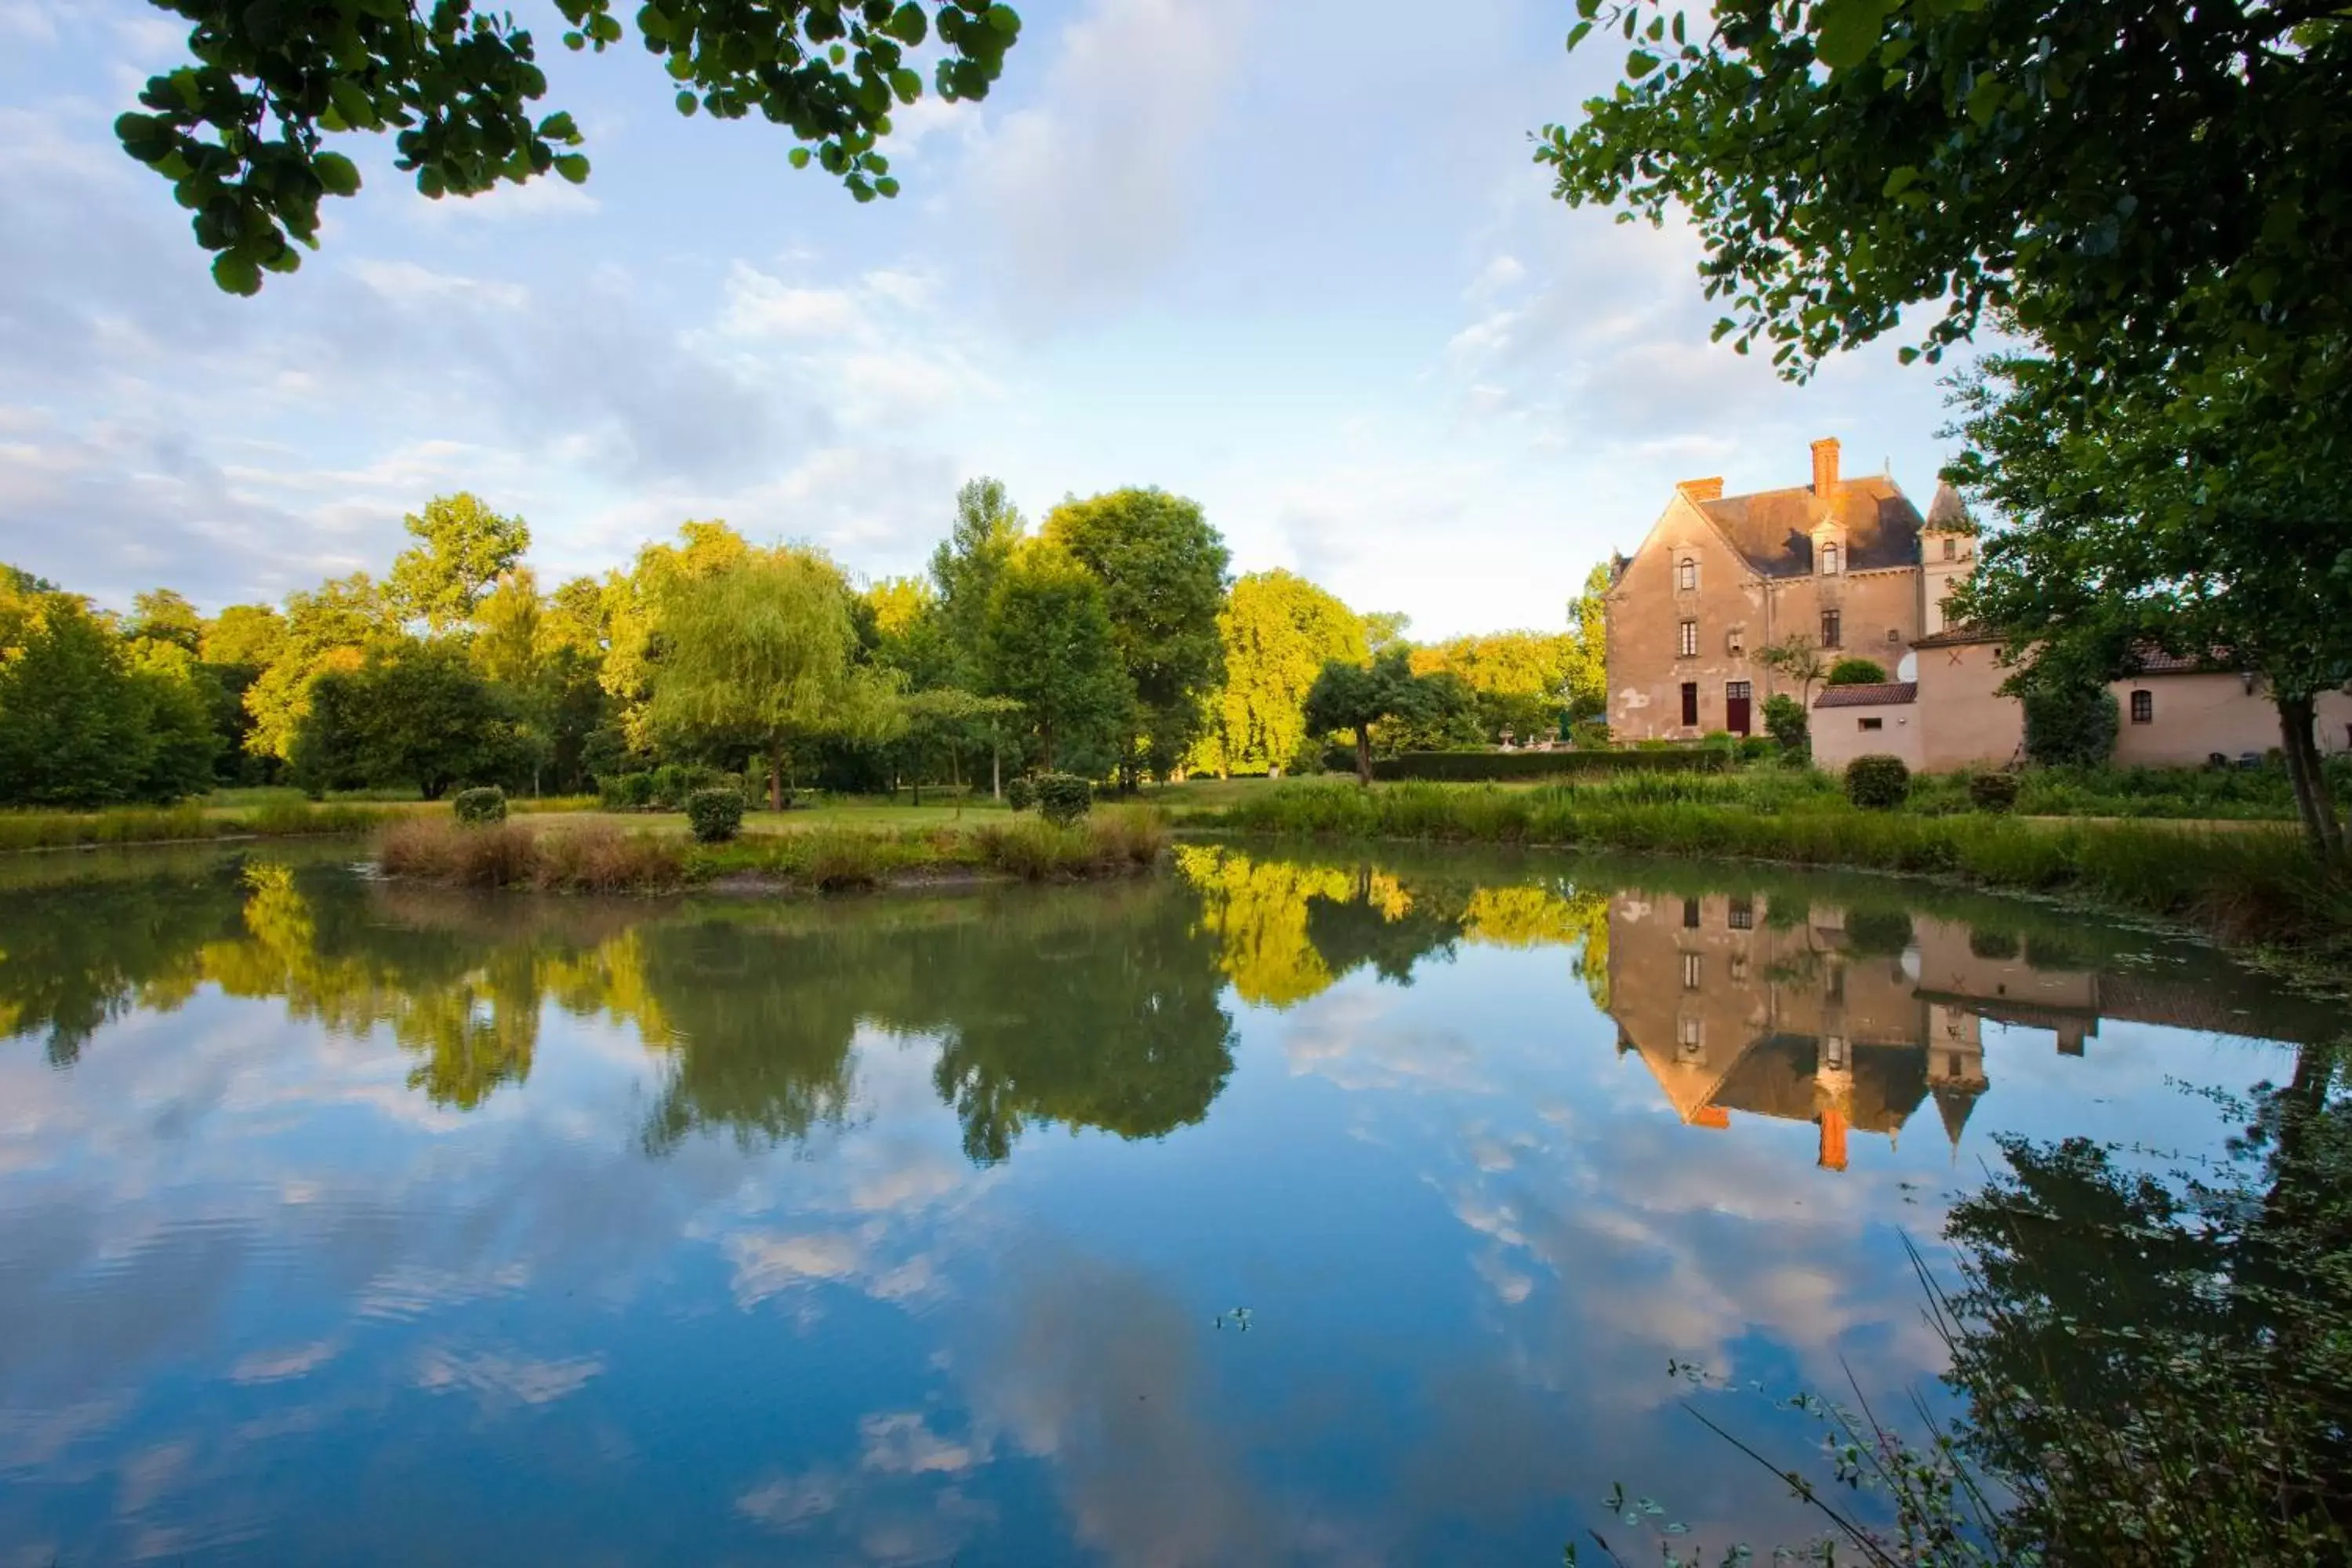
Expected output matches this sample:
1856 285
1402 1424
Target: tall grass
172 824
591 857
2243 885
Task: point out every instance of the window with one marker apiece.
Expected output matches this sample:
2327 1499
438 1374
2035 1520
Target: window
1690 913
1739 969
1833 1052
2143 707
1688 646
1894 634
1951 1064
1951 549
1690 971
1834 989
1690 702
1874 723
1829 560
1743 914
1690 1038
1686 574
1833 629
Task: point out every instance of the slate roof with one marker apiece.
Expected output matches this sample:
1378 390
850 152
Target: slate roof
1772 529
1876 695
1949 511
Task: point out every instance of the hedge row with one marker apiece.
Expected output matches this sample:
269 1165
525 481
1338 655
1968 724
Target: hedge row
1454 767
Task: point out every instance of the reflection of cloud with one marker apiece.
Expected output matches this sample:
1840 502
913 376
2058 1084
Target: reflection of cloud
499 1378
901 1444
786 1502
1358 1037
276 1365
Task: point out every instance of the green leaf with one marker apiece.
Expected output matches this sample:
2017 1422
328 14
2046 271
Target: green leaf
1004 19
573 166
799 157
688 103
430 183
237 273
558 127
1900 180
887 186
907 24
351 101
1849 30
337 173
906 84
1577 35
1640 63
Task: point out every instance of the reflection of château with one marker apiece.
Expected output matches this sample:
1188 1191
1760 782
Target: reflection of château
1848 1021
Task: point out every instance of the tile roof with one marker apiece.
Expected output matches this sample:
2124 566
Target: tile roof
1773 529
1957 637
2156 661
1876 695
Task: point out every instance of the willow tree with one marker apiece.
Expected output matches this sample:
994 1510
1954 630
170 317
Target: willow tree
1279 630
764 654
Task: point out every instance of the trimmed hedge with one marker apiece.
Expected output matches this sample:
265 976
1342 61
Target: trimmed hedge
1063 798
1463 767
1993 792
715 814
1020 791
1879 782
479 808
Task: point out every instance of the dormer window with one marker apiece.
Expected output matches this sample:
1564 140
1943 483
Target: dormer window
1831 559
1686 574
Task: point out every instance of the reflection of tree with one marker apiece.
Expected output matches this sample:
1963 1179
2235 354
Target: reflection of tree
1099 1013
2163 1369
73 961
1257 909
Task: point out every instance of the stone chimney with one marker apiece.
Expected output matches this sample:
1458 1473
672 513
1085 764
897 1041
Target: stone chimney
1702 490
1825 467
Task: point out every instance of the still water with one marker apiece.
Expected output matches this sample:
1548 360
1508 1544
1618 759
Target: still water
1270 1209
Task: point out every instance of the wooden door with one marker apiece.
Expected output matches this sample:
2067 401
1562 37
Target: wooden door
1736 707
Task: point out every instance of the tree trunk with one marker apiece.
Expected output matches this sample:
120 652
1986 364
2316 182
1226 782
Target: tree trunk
2313 802
1364 755
995 766
775 778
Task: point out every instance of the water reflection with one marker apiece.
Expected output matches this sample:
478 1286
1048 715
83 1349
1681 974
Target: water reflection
895 1228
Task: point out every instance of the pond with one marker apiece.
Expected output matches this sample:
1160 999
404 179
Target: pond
1277 1208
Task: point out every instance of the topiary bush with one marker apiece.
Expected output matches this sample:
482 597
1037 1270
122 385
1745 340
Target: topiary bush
1020 793
2070 723
1878 781
715 814
1063 798
1856 672
479 808
1993 792
1784 717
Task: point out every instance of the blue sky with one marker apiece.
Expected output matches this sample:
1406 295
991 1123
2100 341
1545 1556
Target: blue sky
1292 260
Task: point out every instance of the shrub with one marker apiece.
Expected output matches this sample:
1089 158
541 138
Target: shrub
1020 793
1993 792
1784 719
1882 933
1466 767
625 792
841 860
1877 781
1063 798
1589 734
1856 672
479 808
2069 723
715 814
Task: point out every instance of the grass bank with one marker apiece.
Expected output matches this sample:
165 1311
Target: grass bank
2247 887
175 824
598 857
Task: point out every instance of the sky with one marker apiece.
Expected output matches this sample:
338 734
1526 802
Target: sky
1294 262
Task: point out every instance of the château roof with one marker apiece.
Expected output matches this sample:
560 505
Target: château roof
1772 529
1949 511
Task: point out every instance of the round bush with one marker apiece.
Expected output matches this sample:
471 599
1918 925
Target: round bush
715 814
1020 793
1877 781
1784 716
478 808
1993 792
2070 722
1856 672
1063 798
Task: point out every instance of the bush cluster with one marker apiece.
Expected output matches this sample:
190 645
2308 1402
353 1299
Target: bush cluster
1993 792
1877 781
1020 793
1063 798
1471 767
479 808
1784 719
664 788
2070 724
715 814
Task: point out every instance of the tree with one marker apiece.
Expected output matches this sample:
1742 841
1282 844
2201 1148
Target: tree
1385 630
1048 645
179 700
1856 672
1588 621
73 724
1444 714
1163 569
2114 172
330 628
635 605
1521 681
2154 506
969 563
462 548
243 634
241 128
412 712
1796 658
1278 631
941 719
1784 720
164 615
761 654
1355 697
2069 721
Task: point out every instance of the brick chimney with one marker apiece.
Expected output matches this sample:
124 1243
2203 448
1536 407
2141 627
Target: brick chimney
1825 467
1702 490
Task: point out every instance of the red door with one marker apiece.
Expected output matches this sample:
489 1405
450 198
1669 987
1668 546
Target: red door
1735 707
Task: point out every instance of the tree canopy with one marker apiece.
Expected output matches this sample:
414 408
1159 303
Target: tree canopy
1355 697
1278 630
1048 646
241 128
462 548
